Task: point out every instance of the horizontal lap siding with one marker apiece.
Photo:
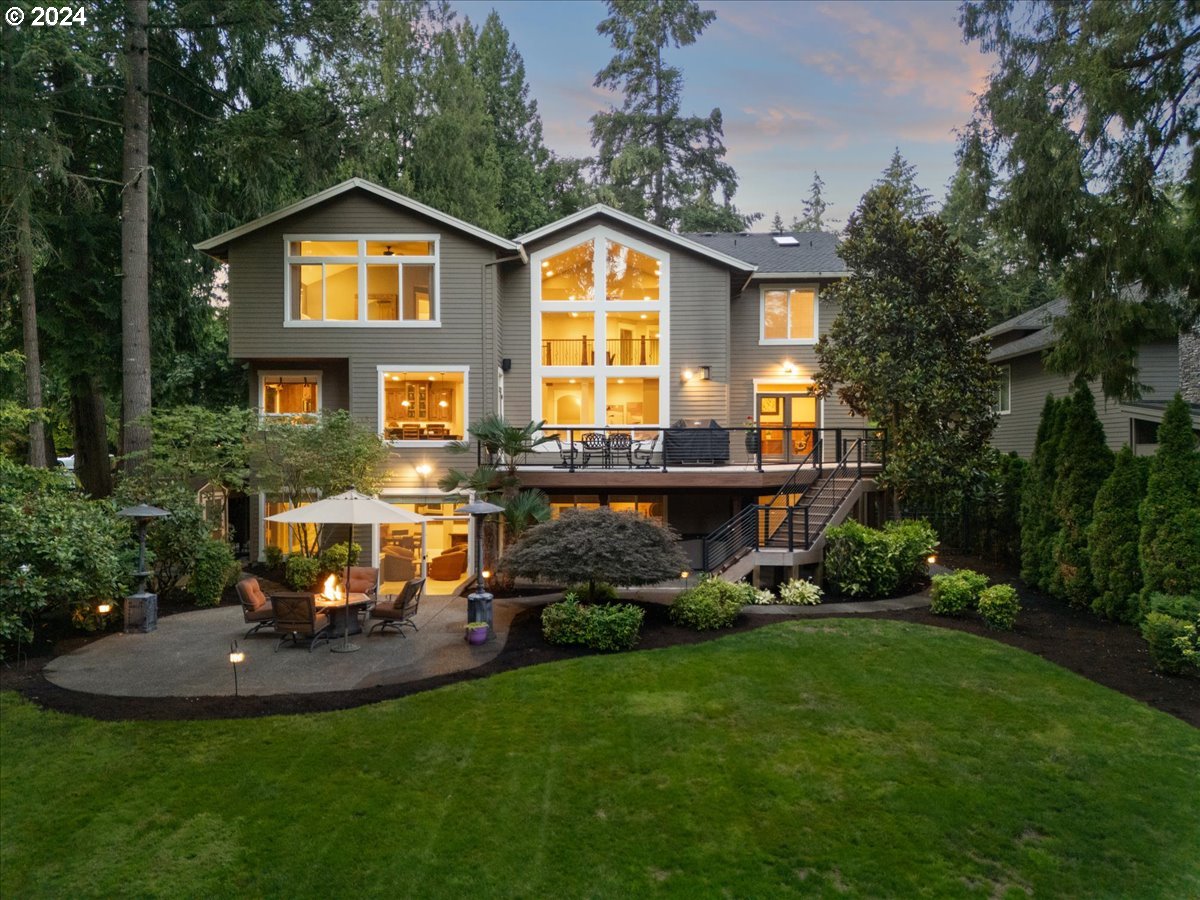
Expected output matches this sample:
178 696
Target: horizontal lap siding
515 342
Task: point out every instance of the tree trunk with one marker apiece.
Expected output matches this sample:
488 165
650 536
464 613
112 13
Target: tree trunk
135 219
92 467
33 360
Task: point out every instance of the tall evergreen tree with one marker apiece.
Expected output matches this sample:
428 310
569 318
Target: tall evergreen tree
1084 462
901 175
1169 544
1091 117
1039 521
1113 539
777 223
813 218
656 161
901 350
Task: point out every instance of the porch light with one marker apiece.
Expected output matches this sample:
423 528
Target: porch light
688 374
487 573
705 373
789 367
424 469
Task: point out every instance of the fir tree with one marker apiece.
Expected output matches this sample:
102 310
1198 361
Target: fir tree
656 161
1169 544
814 208
1084 461
902 175
777 223
1039 522
1113 539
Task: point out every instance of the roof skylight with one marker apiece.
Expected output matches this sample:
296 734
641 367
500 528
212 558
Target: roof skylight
785 240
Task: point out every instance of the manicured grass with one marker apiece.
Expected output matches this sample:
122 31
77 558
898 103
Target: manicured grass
832 757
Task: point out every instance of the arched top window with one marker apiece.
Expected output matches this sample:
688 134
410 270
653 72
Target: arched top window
601 266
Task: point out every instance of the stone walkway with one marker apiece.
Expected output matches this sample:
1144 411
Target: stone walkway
188 654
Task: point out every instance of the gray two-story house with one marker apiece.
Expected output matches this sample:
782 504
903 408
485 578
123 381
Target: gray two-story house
676 371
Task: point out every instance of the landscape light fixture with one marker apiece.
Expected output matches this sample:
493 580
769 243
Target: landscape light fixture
931 559
104 609
235 656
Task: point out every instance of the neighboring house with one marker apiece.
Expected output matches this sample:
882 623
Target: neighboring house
1018 346
420 323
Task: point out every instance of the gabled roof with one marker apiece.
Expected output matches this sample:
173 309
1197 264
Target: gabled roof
647 228
1032 331
813 254
214 246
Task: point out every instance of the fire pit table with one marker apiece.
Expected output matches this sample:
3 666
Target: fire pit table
337 610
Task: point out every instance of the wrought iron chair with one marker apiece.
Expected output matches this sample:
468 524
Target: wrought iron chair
400 610
568 452
620 443
595 444
296 617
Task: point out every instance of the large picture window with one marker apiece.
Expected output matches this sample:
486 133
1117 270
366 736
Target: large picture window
360 280
788 315
423 405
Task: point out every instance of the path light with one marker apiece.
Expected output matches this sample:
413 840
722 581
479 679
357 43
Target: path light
931 558
104 609
235 656
685 574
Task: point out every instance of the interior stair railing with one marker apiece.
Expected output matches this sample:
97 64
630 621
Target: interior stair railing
783 524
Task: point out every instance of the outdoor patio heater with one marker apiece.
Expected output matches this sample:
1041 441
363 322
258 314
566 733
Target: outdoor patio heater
141 607
479 604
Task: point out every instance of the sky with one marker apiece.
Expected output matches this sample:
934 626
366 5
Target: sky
829 86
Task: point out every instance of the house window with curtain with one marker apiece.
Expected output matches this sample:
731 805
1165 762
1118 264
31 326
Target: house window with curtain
374 281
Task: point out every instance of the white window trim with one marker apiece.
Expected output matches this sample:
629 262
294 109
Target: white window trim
765 341
263 376
598 306
362 260
1006 376
381 371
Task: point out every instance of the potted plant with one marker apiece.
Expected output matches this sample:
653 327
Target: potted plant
477 632
751 436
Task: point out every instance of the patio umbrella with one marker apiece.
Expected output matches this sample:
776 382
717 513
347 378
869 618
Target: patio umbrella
349 508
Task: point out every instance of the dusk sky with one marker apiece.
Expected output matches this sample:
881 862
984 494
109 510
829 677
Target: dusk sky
831 86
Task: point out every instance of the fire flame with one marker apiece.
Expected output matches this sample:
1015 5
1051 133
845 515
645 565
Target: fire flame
331 590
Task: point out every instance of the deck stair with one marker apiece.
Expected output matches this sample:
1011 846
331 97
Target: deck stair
790 529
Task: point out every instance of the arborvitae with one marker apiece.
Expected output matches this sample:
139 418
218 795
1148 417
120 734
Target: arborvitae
1039 524
1169 544
1113 539
1084 461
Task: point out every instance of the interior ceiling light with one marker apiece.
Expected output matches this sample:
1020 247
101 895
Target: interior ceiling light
545 265
443 404
549 273
387 251
643 315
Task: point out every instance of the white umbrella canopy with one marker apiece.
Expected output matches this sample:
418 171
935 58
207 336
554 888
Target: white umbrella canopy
348 508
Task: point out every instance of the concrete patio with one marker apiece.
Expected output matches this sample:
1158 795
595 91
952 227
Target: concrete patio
188 655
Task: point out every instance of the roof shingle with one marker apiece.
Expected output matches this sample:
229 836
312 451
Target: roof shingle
814 251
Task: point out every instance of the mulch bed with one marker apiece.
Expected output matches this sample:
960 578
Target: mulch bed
1109 654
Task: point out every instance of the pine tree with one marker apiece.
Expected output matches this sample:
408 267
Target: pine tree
655 161
1084 461
1169 543
902 175
777 223
814 208
1039 521
1113 539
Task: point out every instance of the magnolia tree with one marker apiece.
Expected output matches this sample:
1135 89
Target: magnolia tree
598 545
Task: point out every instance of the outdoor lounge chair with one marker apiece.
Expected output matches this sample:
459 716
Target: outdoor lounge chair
399 611
364 580
296 617
256 608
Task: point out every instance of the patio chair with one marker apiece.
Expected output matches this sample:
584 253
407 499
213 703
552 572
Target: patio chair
595 444
364 580
620 444
568 452
643 451
296 617
256 608
400 610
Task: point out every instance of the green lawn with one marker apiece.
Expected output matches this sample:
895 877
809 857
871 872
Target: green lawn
835 757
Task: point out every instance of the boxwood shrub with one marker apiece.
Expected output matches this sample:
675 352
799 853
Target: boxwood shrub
604 626
1172 629
301 572
999 605
711 604
956 593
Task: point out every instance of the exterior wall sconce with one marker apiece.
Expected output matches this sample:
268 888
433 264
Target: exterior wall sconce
424 470
789 367
700 373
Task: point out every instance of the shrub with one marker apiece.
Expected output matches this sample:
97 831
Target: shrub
273 556
800 592
864 562
597 592
999 606
711 604
954 594
1172 629
1169 543
335 558
214 570
302 572
764 598
614 626
910 542
176 540
1113 539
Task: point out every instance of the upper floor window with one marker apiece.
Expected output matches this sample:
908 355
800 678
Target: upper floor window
788 315
1004 391
375 280
292 395
624 273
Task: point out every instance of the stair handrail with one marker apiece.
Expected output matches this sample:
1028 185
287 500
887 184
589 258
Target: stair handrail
843 465
809 458
726 528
